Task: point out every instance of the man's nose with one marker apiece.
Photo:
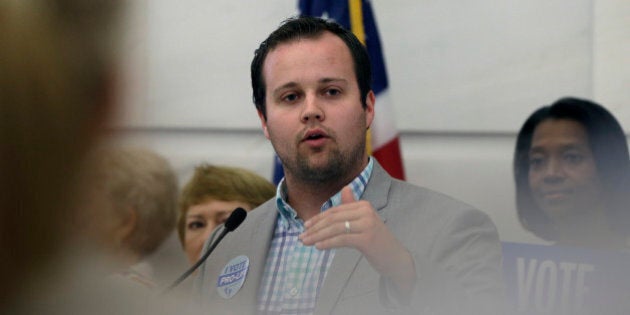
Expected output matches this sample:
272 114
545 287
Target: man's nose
312 109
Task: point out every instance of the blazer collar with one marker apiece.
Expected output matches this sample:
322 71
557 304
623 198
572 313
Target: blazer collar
377 190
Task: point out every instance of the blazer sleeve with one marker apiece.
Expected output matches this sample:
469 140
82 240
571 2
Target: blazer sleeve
462 272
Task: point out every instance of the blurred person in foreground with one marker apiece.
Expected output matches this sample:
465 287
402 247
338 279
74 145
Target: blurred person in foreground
342 236
138 190
571 169
210 196
57 62
58 69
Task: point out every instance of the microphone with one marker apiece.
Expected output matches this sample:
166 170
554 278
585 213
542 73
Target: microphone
233 221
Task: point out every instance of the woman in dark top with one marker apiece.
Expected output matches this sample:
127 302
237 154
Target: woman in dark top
571 171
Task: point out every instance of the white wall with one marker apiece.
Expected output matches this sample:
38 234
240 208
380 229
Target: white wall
463 77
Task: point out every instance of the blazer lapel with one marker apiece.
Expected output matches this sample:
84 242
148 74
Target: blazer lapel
377 190
258 244
346 259
342 267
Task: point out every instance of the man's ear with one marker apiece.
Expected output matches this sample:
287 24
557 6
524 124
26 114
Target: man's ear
263 123
370 101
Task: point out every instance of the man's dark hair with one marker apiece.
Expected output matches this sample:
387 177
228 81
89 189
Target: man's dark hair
307 27
610 150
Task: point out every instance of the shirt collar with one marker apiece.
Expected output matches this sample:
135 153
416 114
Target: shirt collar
358 187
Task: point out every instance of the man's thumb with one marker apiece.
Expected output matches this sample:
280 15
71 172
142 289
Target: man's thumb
346 195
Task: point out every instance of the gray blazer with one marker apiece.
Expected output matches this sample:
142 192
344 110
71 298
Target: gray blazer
456 250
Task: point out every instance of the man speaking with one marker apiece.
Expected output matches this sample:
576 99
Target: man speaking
342 236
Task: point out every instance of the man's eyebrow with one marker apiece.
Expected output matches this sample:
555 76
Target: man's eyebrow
293 84
284 86
329 80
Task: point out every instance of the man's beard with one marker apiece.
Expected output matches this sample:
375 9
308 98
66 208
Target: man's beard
336 168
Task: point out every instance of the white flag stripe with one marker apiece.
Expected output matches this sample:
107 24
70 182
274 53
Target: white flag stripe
383 127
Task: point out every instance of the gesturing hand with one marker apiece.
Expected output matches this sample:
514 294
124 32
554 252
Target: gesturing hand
351 224
357 225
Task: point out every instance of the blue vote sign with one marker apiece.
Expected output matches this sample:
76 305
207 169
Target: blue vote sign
551 279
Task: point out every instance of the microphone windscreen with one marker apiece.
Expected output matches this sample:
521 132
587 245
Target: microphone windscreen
235 219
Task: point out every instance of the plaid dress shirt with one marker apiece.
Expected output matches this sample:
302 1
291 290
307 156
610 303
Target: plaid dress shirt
294 273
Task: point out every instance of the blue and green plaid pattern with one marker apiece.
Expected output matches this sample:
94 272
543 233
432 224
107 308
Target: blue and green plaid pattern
294 272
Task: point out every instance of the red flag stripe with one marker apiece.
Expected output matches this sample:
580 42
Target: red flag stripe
390 158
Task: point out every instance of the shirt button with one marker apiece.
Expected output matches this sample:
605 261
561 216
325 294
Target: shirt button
293 292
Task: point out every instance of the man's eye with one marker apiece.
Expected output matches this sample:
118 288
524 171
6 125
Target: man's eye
290 97
333 92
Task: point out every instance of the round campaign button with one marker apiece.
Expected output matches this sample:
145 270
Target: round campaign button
232 276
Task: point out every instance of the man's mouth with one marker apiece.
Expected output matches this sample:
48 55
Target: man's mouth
315 134
315 138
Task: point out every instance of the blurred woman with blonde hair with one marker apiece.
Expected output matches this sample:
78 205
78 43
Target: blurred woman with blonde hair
210 196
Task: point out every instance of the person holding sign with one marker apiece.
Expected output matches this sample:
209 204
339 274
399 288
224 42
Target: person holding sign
571 169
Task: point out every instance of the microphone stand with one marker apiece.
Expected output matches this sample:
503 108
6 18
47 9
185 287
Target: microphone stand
201 260
233 221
